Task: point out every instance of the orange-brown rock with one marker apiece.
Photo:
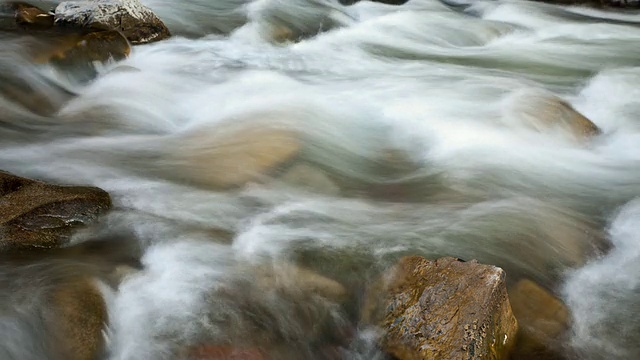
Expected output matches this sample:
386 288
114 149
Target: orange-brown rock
31 16
543 320
443 309
80 315
96 46
35 214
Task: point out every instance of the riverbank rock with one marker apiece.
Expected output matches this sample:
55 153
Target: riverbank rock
137 22
80 314
38 215
543 320
224 158
442 309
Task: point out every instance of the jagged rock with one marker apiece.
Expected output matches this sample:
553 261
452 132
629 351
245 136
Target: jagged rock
35 214
543 319
222 159
80 315
442 309
137 22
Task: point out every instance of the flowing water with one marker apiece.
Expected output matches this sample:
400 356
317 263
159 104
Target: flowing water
416 122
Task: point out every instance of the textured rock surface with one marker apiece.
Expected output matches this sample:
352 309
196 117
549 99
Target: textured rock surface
137 22
35 214
443 309
542 318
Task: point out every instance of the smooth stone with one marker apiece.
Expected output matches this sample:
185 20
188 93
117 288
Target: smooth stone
225 159
543 320
81 315
32 17
310 178
293 278
99 46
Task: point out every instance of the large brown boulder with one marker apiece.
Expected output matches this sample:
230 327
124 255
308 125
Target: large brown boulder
38 215
137 22
443 309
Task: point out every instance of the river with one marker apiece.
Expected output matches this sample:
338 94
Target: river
416 122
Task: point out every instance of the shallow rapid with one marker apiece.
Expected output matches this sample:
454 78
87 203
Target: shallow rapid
416 121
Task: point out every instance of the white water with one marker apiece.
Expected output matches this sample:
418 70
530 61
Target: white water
447 86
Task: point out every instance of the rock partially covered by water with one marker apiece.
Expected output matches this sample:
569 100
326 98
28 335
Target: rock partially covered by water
32 17
35 214
137 22
443 309
545 112
224 158
543 319
80 314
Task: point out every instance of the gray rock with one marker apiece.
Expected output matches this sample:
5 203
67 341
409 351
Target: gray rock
137 22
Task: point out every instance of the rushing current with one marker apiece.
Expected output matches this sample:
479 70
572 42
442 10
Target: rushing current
415 123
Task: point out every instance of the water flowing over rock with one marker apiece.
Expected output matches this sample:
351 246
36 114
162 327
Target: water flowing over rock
80 315
545 112
542 319
31 16
35 214
443 309
224 159
137 22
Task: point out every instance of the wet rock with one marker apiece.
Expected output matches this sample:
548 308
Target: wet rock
99 46
137 22
29 16
80 315
292 278
543 320
443 309
310 178
223 159
544 112
35 214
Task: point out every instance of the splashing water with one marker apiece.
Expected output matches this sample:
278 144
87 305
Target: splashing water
417 122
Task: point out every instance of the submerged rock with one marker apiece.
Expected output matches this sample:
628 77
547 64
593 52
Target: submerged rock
443 309
544 112
35 214
224 159
292 278
137 22
80 315
213 352
543 319
310 178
